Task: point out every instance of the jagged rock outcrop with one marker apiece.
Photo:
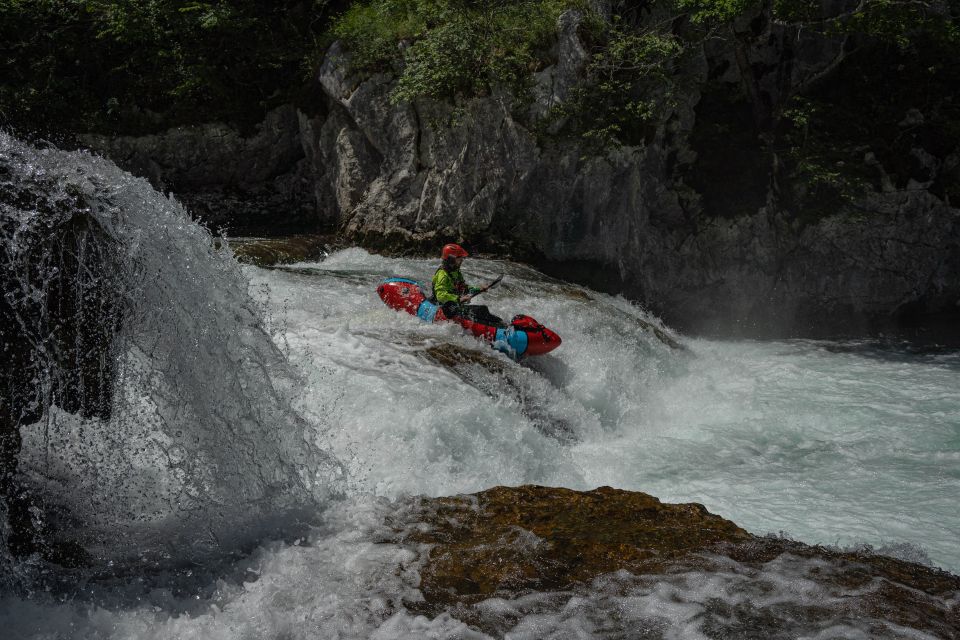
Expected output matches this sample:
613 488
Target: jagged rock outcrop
510 553
553 85
262 183
702 223
691 223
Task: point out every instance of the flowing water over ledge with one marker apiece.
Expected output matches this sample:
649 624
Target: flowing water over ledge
199 448
844 443
840 443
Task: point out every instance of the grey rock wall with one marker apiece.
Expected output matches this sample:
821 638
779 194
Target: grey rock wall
262 183
635 220
690 224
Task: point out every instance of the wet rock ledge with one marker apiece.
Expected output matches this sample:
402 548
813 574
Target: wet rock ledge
492 559
268 252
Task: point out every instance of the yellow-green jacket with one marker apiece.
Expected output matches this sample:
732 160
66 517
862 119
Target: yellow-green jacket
449 286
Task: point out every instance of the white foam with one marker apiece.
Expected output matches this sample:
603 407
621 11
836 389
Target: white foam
838 447
825 442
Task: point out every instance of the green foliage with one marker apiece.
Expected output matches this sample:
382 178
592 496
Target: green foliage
885 105
451 49
825 175
903 22
904 56
448 48
898 21
134 66
627 83
798 11
714 11
137 65
373 31
447 62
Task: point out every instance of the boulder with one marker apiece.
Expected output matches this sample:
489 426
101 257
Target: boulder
540 554
514 540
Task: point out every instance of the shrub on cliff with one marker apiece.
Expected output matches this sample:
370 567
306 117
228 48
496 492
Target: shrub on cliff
626 84
454 49
449 48
880 115
139 65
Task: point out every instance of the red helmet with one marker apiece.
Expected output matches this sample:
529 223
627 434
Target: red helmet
453 251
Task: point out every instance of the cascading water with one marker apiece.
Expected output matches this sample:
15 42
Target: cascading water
197 450
831 442
847 443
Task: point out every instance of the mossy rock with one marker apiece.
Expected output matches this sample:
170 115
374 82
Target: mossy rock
507 542
510 540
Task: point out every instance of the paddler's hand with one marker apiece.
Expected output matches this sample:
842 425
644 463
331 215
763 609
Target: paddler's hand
466 298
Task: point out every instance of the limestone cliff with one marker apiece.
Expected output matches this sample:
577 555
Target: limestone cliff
258 184
696 225
702 222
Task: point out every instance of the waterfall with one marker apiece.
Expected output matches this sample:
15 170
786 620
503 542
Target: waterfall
154 410
175 407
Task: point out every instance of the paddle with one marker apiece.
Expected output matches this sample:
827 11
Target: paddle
491 285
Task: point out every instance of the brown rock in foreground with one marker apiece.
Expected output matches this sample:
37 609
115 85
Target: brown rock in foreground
505 543
511 539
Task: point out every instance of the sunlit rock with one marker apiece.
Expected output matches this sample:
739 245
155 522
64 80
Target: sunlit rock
509 555
509 540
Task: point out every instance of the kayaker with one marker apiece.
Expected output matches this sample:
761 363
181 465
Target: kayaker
451 292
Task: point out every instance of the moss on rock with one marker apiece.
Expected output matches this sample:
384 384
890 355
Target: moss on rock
508 542
514 539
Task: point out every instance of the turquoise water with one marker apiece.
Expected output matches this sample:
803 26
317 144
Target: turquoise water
843 443
848 444
270 425
836 444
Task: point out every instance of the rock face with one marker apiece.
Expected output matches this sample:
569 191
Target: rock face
696 223
509 555
247 185
692 223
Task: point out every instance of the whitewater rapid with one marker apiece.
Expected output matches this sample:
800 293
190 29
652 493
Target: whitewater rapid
841 443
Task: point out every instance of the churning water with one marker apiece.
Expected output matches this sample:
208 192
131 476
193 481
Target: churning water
201 446
838 443
852 443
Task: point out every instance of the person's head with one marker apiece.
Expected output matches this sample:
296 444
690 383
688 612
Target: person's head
453 255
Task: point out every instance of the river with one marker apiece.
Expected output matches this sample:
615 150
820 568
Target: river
308 393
